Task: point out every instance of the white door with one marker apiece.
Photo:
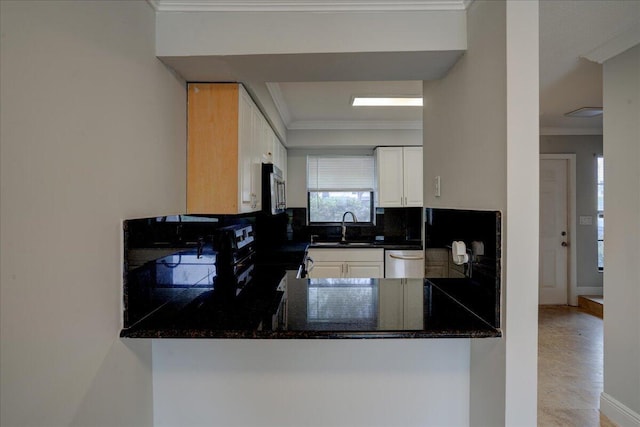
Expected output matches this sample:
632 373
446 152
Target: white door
554 239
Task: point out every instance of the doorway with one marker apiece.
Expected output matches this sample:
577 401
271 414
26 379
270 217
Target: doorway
557 252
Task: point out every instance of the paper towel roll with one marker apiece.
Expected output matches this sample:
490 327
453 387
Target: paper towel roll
459 252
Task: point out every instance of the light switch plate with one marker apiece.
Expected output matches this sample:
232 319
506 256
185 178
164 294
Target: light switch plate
586 220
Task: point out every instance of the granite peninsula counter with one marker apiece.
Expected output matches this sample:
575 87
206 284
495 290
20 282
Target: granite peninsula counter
180 296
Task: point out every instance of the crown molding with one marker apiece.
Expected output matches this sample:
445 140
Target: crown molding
278 99
570 131
354 125
615 46
308 5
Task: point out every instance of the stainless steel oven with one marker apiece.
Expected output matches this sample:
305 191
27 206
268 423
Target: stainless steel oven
273 189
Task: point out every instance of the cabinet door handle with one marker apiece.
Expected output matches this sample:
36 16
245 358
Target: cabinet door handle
347 269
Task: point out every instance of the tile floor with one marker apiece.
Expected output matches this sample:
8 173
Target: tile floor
569 368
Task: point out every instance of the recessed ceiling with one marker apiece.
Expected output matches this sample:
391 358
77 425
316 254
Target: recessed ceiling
327 105
570 30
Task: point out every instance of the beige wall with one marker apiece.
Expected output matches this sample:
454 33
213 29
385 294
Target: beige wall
465 144
488 162
586 148
465 120
93 131
622 236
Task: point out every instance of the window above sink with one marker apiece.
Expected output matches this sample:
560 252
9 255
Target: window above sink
337 184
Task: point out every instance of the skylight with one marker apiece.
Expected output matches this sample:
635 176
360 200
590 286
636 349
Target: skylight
362 101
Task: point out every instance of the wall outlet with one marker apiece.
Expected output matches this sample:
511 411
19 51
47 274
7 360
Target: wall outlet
436 186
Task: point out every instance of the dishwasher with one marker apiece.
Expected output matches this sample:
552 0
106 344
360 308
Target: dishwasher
407 264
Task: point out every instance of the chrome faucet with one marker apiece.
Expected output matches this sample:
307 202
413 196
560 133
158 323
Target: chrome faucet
344 227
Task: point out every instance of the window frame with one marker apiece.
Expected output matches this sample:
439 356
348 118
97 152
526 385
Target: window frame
600 212
370 221
330 188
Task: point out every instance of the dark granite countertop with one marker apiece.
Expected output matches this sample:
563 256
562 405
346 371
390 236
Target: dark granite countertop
180 296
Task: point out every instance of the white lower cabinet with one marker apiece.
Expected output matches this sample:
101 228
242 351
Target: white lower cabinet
326 269
401 304
346 263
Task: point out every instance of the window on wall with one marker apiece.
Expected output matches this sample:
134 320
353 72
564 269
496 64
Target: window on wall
336 184
600 161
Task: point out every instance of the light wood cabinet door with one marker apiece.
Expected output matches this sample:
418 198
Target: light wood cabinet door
213 164
224 160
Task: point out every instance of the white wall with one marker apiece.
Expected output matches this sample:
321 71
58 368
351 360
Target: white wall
622 238
93 131
311 383
586 148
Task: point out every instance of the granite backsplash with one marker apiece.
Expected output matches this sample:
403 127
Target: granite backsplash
391 225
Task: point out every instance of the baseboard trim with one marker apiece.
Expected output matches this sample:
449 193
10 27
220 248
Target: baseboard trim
618 412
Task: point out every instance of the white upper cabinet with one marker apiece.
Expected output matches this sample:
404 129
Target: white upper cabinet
399 176
278 153
412 182
245 151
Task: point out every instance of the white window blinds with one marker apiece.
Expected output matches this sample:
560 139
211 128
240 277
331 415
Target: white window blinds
344 173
